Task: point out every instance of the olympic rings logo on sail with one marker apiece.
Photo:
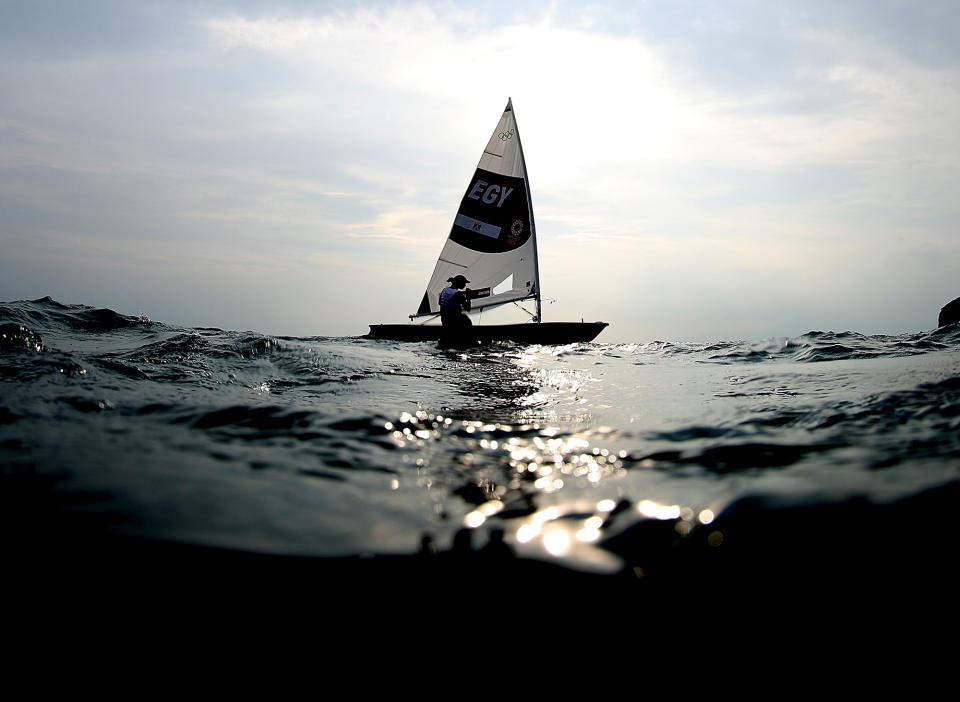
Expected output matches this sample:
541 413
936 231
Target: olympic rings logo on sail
503 136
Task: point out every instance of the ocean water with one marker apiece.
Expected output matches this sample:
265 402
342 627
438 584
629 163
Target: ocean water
828 462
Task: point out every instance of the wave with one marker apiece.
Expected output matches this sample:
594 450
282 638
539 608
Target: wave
46 312
811 347
882 430
14 335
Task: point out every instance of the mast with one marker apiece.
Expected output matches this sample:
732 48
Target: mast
533 226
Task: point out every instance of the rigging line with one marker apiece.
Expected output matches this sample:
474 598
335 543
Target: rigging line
498 303
532 316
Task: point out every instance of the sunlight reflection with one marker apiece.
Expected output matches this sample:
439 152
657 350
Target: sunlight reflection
588 535
557 542
590 532
652 509
528 532
540 458
593 523
481 513
572 533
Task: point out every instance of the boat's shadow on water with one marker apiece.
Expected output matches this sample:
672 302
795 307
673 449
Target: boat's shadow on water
486 383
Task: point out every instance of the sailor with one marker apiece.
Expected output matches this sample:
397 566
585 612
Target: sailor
454 303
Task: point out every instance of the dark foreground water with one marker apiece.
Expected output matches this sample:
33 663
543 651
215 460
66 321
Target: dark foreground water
134 453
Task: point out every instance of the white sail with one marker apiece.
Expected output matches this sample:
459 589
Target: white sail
493 238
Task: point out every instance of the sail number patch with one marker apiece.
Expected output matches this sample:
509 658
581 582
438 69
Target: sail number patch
489 192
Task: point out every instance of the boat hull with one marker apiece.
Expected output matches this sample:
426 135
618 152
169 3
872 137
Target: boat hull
527 333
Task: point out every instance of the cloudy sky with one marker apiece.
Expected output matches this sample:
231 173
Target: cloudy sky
700 170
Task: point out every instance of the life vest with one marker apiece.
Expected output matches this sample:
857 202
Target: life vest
448 301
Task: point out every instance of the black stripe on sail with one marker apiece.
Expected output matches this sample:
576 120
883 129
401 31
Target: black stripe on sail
494 215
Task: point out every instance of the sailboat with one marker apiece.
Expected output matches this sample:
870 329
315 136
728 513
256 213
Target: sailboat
493 244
